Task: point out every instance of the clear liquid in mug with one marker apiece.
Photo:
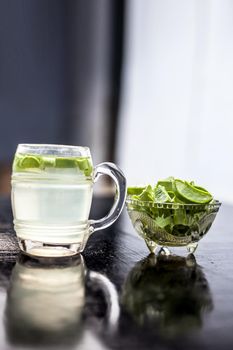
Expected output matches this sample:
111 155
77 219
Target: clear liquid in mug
51 198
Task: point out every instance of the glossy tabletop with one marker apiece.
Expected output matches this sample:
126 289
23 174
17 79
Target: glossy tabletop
117 296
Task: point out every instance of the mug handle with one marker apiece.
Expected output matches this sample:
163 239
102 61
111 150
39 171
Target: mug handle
118 177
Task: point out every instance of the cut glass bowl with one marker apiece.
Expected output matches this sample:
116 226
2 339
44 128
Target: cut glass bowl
159 224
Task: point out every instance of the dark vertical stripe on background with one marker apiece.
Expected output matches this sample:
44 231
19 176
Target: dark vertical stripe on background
117 62
94 32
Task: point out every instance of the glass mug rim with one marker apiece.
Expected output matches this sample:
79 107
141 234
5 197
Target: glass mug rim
53 149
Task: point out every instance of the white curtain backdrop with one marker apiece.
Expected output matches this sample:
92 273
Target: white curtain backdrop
177 99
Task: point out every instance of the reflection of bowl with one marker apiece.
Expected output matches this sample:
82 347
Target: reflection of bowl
171 224
168 293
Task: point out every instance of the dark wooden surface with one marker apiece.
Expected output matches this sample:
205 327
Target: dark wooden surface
170 304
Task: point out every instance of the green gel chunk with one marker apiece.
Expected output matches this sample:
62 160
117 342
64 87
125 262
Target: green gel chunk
135 190
49 162
65 163
161 195
167 183
29 162
146 195
84 165
191 194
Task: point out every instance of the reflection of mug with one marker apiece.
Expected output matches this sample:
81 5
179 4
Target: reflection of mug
46 304
168 292
52 188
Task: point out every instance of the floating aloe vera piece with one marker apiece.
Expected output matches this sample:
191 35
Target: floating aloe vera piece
49 162
30 162
65 163
84 165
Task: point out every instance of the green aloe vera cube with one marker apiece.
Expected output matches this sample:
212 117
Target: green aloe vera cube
49 162
84 165
65 163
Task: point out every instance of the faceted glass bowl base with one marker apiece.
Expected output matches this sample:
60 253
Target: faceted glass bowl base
40 249
164 250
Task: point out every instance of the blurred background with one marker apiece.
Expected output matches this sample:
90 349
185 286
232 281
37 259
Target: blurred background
146 84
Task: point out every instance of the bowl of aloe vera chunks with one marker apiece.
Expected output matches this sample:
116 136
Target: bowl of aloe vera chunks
173 213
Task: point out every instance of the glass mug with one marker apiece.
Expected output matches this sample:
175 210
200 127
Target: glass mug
52 189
